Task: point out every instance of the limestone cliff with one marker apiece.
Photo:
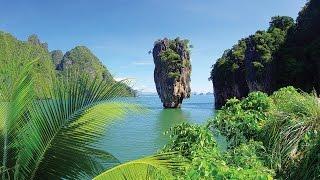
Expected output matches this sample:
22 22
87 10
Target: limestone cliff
172 71
285 54
249 64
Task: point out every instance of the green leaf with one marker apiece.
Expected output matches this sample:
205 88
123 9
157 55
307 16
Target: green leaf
159 166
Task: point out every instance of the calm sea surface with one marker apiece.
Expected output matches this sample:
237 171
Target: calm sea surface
141 135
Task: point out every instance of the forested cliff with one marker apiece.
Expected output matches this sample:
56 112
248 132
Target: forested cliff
287 53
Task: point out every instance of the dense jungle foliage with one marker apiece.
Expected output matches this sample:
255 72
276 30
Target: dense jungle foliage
268 137
49 66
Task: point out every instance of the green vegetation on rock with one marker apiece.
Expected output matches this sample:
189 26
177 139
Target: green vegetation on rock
173 59
15 54
81 58
283 55
172 71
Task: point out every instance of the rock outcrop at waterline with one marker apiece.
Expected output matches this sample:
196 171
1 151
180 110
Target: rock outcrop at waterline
172 71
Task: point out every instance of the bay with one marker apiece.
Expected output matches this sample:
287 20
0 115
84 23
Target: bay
136 136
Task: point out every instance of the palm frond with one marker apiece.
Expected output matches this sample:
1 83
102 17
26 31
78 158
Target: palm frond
61 137
16 95
161 166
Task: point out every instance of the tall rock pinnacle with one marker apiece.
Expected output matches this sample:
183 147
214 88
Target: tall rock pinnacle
172 71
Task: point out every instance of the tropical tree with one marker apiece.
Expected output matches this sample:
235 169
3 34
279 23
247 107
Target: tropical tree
57 137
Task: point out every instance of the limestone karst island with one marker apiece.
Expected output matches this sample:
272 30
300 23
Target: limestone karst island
172 71
170 90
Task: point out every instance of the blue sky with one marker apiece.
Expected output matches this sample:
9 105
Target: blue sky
121 32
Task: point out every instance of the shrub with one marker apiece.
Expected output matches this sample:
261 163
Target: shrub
240 121
196 145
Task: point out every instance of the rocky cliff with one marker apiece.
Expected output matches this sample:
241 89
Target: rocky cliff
285 54
172 71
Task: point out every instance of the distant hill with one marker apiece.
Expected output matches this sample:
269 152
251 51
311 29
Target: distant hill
50 65
81 58
15 53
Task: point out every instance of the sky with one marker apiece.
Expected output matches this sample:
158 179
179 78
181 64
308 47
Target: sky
121 32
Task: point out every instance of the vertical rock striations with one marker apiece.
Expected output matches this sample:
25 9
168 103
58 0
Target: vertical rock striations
172 71
248 66
285 54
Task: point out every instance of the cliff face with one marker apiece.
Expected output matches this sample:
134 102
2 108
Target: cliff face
285 54
172 71
248 66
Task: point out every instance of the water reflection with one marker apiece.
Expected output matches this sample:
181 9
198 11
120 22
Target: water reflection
166 119
136 136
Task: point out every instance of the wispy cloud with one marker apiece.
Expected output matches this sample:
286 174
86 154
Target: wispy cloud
130 79
143 63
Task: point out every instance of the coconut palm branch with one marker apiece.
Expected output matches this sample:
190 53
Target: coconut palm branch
161 166
58 136
16 94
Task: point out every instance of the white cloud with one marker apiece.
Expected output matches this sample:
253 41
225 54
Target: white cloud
146 89
143 63
128 80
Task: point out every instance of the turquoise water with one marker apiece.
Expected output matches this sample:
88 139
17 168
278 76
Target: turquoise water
137 136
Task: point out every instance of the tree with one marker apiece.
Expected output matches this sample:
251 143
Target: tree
281 22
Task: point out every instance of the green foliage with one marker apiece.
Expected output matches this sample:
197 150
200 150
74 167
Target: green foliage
15 55
263 44
258 67
287 123
311 159
174 75
172 59
154 167
240 121
235 67
58 136
284 55
292 129
281 22
197 146
81 58
183 134
274 136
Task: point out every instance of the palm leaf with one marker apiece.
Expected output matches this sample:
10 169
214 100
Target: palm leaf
16 95
160 166
61 137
